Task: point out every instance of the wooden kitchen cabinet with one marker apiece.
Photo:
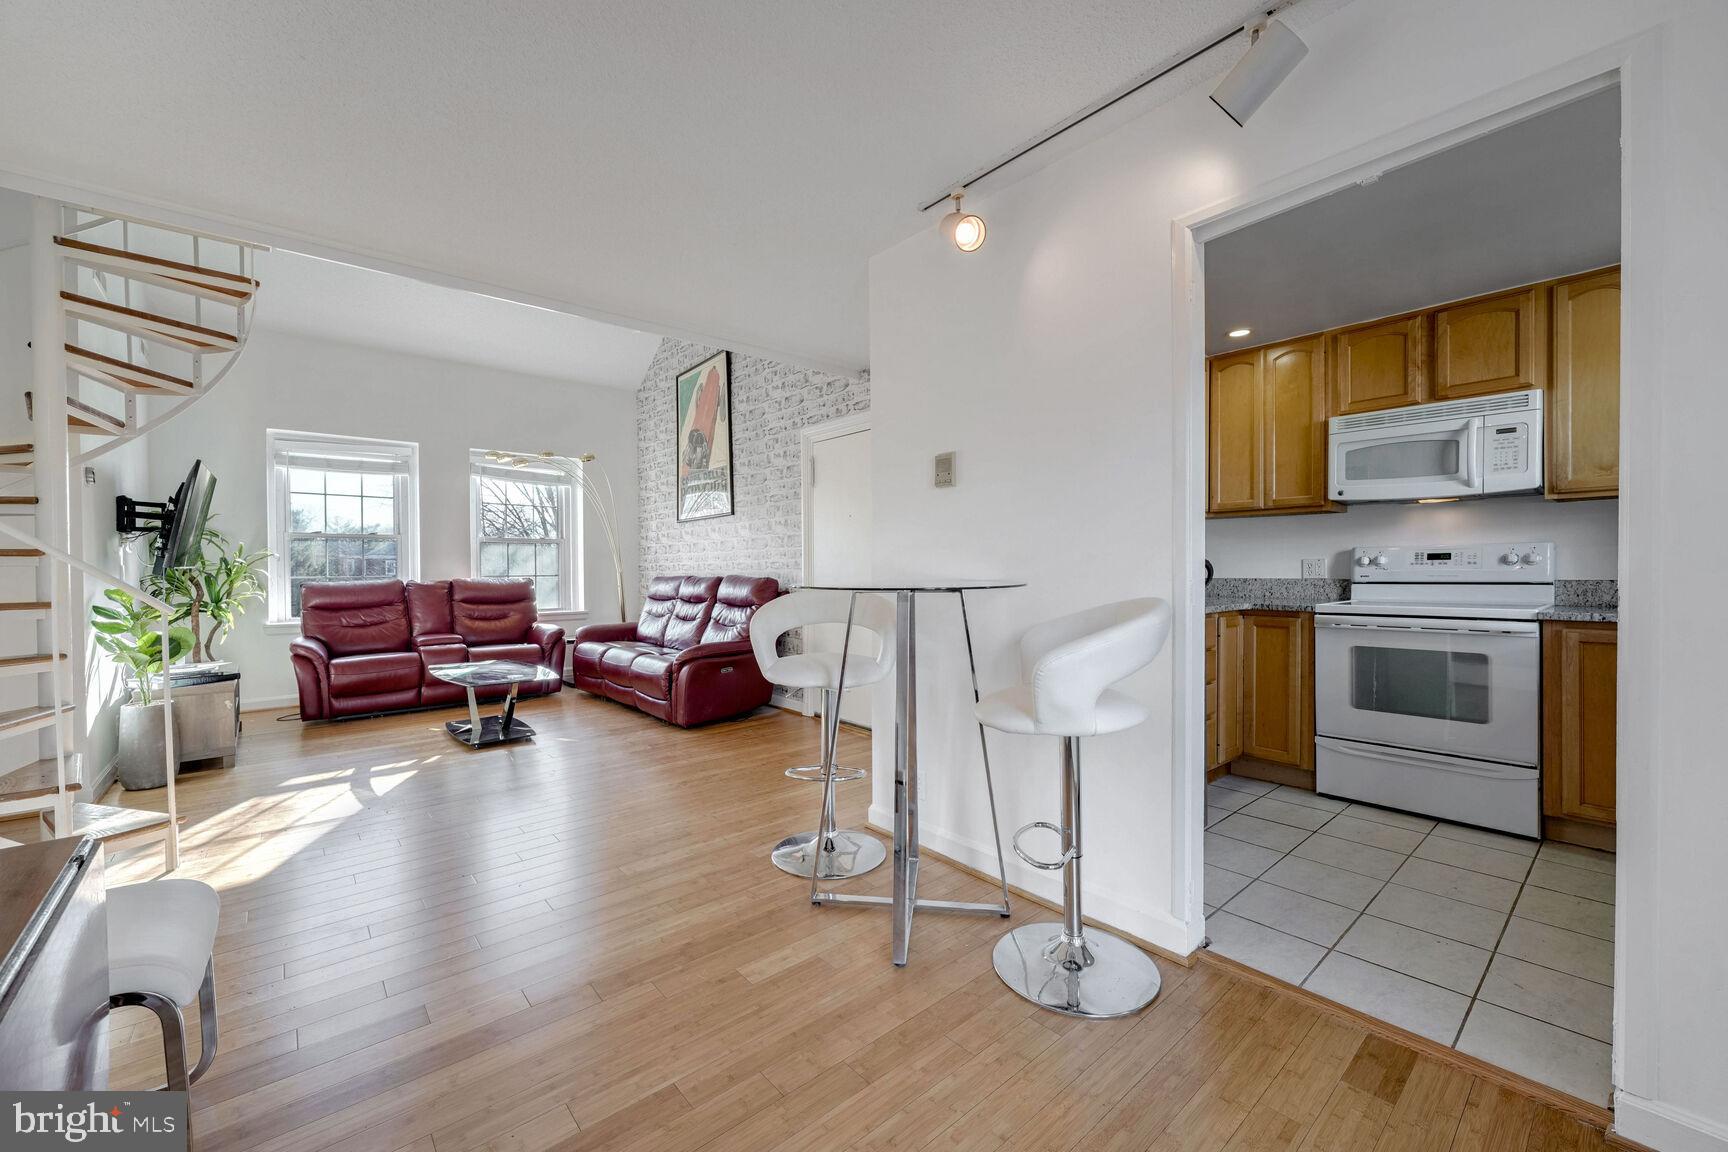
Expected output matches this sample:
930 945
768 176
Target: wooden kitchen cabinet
1380 365
1579 675
1266 430
1229 687
1278 687
1234 439
1493 344
1583 411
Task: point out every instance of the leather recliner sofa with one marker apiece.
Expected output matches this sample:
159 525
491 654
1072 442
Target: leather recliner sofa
687 659
368 646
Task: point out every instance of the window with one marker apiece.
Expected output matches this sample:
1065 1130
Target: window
341 508
526 523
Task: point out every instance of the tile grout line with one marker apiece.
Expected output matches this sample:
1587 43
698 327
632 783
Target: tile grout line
1499 938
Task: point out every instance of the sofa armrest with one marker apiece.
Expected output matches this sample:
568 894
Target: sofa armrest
604 632
311 660
719 649
437 640
550 638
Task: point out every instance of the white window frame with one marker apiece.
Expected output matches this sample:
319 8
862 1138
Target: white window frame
572 582
277 441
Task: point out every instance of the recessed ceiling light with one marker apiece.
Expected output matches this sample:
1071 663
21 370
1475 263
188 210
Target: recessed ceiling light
1238 333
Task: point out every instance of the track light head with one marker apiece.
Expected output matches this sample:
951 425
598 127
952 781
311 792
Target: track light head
1273 55
964 230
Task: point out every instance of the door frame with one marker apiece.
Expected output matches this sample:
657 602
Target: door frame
808 437
1632 66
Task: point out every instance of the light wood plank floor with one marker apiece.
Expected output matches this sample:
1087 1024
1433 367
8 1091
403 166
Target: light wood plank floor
579 943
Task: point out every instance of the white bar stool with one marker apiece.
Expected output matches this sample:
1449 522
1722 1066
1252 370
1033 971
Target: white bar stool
1067 666
831 853
161 945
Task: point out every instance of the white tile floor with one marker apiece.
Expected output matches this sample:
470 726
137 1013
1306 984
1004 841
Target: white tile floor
1500 947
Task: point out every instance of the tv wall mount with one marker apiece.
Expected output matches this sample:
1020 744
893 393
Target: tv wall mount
132 517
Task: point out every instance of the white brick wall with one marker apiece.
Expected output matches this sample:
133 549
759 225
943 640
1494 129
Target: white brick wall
771 403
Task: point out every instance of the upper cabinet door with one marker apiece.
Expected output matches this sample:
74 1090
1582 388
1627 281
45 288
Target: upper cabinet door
1584 400
1234 432
1380 365
1496 344
1294 378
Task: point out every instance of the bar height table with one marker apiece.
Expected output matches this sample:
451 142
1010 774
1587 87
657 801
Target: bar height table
904 901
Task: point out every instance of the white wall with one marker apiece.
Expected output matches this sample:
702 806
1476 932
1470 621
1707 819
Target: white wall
284 381
1584 532
1046 361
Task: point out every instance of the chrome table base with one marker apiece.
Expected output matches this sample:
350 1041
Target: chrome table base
812 773
1097 977
846 854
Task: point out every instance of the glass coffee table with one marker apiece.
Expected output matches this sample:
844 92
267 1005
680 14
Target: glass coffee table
482 732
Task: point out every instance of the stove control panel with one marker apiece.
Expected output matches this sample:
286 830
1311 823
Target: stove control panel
1517 562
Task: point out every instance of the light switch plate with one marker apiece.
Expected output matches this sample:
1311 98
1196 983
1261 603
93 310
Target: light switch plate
1314 569
945 470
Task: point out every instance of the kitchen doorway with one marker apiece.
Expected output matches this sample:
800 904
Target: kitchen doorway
837 526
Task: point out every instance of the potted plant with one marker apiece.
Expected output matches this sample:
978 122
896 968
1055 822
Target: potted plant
131 632
226 578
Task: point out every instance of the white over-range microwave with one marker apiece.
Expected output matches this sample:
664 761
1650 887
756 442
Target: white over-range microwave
1483 446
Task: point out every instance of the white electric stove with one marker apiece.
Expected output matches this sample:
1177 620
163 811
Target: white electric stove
1428 682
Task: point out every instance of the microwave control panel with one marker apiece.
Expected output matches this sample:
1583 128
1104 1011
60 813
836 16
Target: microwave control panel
1508 448
1518 562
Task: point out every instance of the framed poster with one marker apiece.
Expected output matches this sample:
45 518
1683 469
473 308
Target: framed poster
704 395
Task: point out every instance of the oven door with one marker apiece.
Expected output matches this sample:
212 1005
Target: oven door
1457 687
1434 459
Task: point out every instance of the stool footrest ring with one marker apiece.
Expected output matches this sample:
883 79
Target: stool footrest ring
1046 865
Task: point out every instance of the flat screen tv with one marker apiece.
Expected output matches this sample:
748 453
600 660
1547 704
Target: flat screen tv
183 536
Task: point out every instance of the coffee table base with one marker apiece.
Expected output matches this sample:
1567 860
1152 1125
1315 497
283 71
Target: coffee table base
493 730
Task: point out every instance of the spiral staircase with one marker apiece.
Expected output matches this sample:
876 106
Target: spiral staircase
132 321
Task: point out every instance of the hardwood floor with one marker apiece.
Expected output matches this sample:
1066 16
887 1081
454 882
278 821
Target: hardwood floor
580 943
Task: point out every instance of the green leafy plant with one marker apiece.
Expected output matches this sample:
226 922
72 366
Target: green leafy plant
131 632
224 581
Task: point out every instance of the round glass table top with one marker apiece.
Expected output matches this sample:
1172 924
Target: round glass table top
914 585
485 673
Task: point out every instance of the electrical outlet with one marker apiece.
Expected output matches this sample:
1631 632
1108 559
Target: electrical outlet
945 470
1314 569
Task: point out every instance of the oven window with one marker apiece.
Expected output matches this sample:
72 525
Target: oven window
1403 460
1420 682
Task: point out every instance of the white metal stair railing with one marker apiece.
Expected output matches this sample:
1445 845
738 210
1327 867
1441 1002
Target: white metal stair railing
160 314
64 822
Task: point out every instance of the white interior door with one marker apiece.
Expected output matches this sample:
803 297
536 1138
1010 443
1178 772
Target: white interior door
840 533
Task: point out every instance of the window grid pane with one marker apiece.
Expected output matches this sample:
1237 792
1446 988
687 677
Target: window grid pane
521 534
341 526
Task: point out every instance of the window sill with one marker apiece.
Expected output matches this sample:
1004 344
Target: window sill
282 627
559 615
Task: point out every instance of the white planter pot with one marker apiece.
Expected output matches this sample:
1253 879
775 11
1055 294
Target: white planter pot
142 760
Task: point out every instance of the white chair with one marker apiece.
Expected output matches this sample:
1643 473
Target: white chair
830 853
1067 667
161 945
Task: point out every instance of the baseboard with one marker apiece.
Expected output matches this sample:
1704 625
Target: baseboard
1159 932
1658 1125
98 788
259 703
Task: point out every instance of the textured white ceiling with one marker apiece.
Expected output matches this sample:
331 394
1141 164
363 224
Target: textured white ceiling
1536 199
331 301
721 170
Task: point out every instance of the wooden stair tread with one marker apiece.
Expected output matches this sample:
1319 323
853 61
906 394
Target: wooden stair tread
38 779
5 500
21 552
153 261
88 418
112 366
28 659
24 605
17 449
15 718
107 822
193 335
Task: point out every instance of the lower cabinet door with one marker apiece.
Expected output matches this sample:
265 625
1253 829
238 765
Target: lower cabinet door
1277 694
1579 679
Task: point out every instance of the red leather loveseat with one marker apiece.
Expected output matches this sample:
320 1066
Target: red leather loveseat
367 646
687 660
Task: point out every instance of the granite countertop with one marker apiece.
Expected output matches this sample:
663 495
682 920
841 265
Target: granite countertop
1582 600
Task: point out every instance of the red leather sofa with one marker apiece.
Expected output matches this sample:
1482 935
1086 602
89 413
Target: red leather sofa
368 646
687 659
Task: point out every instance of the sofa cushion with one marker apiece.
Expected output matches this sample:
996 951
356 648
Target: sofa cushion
521 653
429 608
352 617
690 611
375 672
492 611
735 602
657 608
649 674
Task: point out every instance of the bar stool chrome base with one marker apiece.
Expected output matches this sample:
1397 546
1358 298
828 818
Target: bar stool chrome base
850 854
1098 977
812 773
